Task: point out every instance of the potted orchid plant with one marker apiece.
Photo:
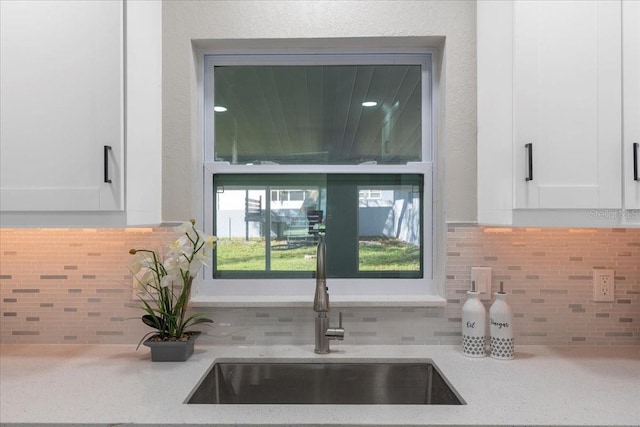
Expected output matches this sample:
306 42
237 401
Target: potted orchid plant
165 280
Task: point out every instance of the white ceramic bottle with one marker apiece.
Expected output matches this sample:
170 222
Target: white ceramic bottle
501 327
474 318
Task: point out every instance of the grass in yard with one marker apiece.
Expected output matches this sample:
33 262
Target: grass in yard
382 254
241 255
376 254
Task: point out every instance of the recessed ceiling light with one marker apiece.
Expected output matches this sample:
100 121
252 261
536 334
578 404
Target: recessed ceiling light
369 103
219 109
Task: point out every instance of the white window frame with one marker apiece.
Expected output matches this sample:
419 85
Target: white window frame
298 291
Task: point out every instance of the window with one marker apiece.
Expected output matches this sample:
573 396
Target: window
277 238
301 145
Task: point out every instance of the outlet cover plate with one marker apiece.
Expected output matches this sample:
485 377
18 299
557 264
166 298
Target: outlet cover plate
603 285
482 277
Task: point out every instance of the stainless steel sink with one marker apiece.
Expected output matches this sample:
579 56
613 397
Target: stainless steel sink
352 383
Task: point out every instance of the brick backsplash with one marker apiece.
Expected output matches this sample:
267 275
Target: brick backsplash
73 286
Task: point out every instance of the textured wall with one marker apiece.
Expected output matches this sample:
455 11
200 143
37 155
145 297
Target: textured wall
73 286
184 21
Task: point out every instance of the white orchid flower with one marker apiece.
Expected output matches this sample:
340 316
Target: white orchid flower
167 280
171 265
172 272
185 227
135 267
140 262
188 229
181 242
199 259
146 278
182 261
209 240
147 262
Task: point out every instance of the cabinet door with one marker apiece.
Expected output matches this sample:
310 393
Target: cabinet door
62 103
631 102
567 104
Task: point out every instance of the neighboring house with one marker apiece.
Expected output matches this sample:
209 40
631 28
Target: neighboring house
382 213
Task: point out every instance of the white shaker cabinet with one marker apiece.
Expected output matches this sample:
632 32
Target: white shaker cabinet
550 113
567 104
62 106
631 102
74 109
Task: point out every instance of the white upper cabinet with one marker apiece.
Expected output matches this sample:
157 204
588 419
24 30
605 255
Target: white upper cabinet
64 100
631 102
550 111
567 104
62 106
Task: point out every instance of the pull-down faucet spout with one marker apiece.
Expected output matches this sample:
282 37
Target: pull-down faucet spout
321 304
321 299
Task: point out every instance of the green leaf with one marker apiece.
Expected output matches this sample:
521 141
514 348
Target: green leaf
148 334
152 321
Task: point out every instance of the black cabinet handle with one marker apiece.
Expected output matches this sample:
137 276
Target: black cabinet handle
529 148
107 148
635 162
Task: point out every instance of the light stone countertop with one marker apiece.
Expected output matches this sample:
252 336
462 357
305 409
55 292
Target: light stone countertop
115 384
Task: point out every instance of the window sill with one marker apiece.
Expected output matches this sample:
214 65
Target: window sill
307 301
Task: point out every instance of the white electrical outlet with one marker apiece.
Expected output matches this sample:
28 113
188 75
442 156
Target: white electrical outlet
482 277
603 285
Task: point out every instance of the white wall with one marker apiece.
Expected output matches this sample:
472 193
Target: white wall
295 24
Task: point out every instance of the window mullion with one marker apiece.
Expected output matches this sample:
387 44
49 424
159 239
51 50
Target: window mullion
342 228
267 228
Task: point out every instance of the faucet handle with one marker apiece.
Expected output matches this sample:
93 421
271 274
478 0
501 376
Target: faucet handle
336 333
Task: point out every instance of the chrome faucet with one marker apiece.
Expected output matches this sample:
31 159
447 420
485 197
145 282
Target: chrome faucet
324 333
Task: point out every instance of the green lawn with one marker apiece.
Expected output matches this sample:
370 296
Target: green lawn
382 254
379 254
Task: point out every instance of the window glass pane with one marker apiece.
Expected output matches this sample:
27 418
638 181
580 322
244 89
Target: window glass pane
389 228
372 225
315 114
262 237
